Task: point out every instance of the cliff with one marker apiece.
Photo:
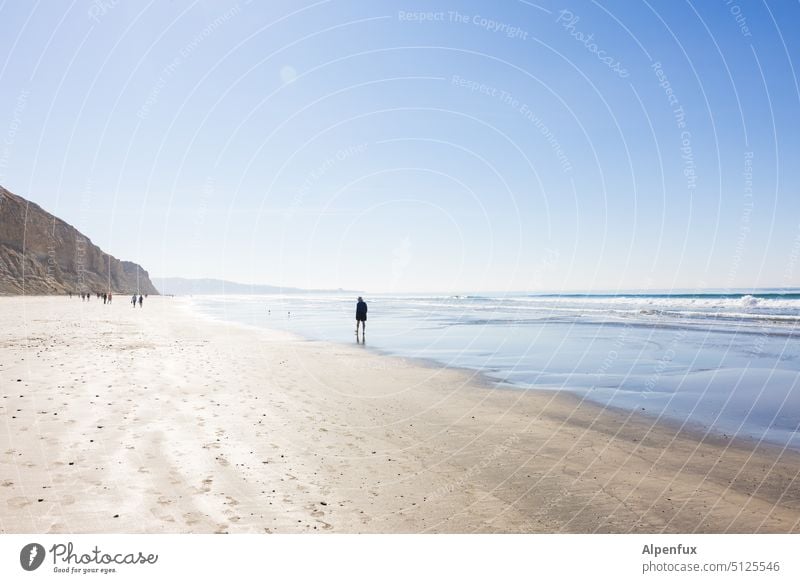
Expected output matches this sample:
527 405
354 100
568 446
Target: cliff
41 254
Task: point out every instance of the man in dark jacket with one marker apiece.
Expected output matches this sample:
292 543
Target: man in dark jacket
361 316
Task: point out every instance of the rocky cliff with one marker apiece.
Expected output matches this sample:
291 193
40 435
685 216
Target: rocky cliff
41 254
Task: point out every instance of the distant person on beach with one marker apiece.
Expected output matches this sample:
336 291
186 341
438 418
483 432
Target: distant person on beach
109 297
141 299
133 300
361 317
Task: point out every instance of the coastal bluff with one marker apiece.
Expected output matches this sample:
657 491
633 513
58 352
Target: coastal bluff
41 255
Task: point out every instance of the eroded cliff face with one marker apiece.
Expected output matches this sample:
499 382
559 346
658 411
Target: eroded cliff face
41 254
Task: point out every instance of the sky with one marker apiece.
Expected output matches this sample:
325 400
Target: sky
414 146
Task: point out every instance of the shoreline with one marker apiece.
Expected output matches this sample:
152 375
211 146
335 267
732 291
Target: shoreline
170 422
695 429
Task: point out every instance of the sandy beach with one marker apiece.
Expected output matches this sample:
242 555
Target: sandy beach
156 420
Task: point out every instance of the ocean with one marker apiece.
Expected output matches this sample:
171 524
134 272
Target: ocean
722 363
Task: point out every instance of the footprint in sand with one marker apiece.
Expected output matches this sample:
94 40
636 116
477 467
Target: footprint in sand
161 515
314 511
175 478
192 518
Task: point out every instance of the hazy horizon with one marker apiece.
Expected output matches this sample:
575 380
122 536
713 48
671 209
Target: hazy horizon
514 148
620 291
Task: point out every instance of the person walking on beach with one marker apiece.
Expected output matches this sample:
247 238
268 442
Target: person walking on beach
133 300
361 317
140 301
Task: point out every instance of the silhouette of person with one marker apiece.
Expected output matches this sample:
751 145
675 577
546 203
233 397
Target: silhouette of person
141 299
361 317
133 300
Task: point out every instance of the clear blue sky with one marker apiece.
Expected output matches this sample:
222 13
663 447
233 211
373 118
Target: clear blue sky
414 146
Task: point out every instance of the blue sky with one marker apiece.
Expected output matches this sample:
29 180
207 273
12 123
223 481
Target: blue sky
414 146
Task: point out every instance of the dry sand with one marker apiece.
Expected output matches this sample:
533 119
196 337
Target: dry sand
156 420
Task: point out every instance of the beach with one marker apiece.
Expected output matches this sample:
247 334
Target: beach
719 363
159 420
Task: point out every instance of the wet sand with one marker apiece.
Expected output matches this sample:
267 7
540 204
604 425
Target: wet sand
156 420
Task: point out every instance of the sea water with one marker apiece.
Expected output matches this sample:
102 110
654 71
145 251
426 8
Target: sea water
725 363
